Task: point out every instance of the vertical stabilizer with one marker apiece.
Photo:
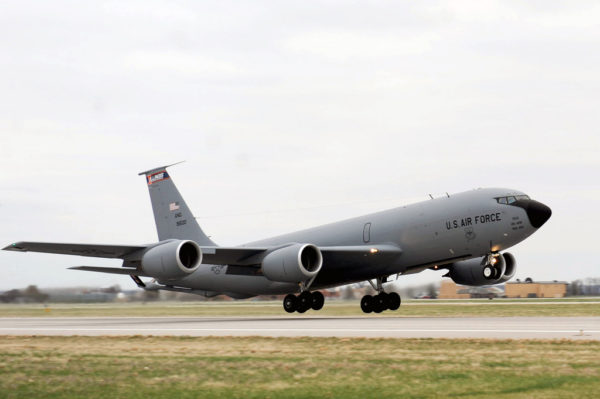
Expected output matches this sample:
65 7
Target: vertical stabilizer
172 216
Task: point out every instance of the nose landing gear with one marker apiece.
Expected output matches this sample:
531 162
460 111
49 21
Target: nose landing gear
303 302
380 302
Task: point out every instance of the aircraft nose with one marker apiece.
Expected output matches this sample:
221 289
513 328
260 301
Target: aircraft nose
538 213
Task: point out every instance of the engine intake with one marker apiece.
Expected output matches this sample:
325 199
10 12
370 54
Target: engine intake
511 267
293 264
485 270
172 260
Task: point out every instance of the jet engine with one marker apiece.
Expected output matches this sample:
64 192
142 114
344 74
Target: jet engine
292 264
511 267
172 260
494 269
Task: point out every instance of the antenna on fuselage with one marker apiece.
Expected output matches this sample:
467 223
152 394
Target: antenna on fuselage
431 196
448 195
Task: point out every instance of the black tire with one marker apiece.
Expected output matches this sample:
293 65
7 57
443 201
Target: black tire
304 302
290 303
302 309
381 302
317 300
366 303
394 301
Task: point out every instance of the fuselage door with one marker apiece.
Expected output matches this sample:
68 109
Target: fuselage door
367 232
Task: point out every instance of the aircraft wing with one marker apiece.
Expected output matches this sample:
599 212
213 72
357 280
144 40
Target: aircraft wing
242 256
95 250
211 255
111 270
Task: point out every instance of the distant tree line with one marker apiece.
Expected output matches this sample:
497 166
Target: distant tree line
31 294
586 286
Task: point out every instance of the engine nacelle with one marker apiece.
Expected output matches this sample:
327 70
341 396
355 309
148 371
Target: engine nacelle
172 260
293 264
511 267
485 270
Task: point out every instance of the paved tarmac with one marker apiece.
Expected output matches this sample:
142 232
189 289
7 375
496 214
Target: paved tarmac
575 328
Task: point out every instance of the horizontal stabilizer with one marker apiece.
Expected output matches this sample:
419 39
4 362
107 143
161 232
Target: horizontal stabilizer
95 250
110 270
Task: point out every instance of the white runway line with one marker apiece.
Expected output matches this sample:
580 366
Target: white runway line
581 328
293 330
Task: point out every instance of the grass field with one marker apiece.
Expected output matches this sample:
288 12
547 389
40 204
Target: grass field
250 367
495 308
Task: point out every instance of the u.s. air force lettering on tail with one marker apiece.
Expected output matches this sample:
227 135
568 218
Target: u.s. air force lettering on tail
470 221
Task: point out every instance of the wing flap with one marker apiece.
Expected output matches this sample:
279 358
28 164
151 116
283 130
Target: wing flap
95 250
110 270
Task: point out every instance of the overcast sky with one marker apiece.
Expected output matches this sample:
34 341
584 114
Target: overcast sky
292 114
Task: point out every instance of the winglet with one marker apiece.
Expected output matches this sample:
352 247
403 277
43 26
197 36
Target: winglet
159 168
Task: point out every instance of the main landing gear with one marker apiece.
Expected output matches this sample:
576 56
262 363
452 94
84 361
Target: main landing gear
301 303
380 302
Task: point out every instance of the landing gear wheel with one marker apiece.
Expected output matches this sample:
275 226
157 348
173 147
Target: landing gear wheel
488 272
290 303
304 302
366 303
301 309
317 300
393 301
381 302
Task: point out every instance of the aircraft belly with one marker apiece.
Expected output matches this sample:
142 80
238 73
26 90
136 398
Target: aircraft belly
214 278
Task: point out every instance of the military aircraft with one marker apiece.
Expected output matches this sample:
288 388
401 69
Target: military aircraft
463 233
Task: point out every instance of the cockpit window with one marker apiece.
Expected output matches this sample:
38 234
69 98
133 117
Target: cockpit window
511 199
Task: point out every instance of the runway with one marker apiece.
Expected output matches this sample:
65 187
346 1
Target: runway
575 328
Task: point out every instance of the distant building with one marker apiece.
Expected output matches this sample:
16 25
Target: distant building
450 290
538 289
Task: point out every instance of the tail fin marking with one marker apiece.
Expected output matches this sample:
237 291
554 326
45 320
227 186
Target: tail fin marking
172 216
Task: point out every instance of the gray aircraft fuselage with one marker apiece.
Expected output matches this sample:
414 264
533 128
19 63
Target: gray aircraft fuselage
430 234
